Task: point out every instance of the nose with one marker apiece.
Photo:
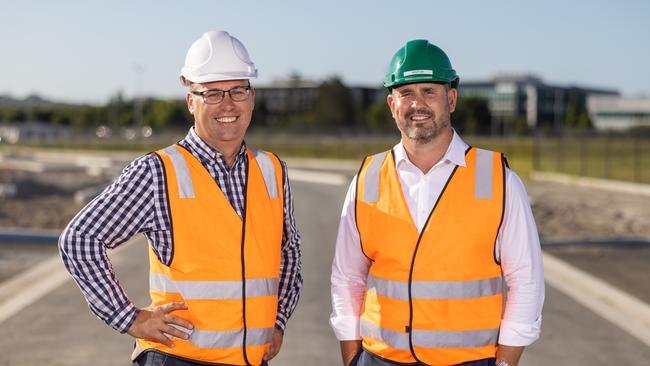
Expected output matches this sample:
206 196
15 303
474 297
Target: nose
227 102
417 99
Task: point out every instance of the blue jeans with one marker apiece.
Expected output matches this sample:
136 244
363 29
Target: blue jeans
365 358
153 358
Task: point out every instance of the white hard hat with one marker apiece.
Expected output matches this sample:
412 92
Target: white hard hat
217 56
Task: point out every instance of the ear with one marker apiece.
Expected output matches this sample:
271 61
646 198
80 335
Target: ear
189 99
390 100
452 98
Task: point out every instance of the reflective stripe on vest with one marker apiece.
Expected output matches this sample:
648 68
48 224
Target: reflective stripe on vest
430 338
371 189
268 171
482 180
185 187
231 339
223 339
436 289
217 290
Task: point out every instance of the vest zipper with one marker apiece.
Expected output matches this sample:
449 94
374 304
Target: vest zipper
243 262
409 327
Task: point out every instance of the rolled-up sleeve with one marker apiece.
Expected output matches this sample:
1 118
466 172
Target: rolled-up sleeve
122 210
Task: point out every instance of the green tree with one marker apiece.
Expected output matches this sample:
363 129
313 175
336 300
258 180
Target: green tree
379 118
334 107
166 113
472 116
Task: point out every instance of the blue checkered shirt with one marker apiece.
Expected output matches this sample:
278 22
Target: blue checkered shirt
137 203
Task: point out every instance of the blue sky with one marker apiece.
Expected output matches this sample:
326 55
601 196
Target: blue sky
85 51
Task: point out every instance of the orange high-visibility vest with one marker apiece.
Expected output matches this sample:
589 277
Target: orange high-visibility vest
224 268
434 296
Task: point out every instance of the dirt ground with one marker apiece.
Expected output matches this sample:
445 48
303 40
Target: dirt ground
569 213
43 200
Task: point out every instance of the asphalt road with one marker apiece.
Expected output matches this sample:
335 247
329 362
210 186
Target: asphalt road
58 329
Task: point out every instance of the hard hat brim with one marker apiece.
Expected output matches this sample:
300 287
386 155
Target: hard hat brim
208 78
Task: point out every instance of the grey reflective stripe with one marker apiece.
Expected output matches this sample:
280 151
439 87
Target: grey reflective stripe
231 338
430 338
455 339
268 172
371 186
387 288
483 178
216 290
436 289
397 340
457 289
258 336
183 177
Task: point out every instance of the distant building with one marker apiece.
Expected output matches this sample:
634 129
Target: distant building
618 113
282 98
525 97
512 98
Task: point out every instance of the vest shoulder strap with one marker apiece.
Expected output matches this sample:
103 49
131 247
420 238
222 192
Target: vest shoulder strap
182 172
484 173
371 178
268 171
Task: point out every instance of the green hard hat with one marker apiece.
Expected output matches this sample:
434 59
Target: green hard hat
420 62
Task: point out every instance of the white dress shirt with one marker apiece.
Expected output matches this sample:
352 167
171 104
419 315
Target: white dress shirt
517 247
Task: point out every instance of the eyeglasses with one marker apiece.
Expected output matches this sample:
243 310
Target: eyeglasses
215 96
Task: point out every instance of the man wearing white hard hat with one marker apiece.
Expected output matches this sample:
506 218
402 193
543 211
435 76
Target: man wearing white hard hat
224 251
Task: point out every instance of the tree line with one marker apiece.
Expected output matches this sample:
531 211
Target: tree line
334 109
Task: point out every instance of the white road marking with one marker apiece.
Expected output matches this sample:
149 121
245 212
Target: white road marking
318 177
620 308
27 287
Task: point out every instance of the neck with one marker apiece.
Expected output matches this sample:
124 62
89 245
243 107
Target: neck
425 156
229 152
229 149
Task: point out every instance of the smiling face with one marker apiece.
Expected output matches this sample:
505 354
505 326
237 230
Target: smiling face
222 125
422 111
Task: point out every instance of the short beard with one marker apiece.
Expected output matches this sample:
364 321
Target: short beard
424 135
420 136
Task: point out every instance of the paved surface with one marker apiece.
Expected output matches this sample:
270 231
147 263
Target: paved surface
60 330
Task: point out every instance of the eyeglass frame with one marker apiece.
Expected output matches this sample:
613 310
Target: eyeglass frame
247 88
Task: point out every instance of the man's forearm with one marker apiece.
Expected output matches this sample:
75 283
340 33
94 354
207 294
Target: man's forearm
510 354
348 350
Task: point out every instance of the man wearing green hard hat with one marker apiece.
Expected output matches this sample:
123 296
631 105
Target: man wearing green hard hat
432 233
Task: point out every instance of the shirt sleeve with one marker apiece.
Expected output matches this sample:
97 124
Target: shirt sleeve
520 255
290 261
122 210
349 273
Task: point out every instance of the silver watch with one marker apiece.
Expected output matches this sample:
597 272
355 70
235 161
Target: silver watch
502 363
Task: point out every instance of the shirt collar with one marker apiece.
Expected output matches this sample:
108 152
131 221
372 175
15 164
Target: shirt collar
204 152
455 152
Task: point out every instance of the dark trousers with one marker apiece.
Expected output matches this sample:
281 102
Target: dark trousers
365 358
154 358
